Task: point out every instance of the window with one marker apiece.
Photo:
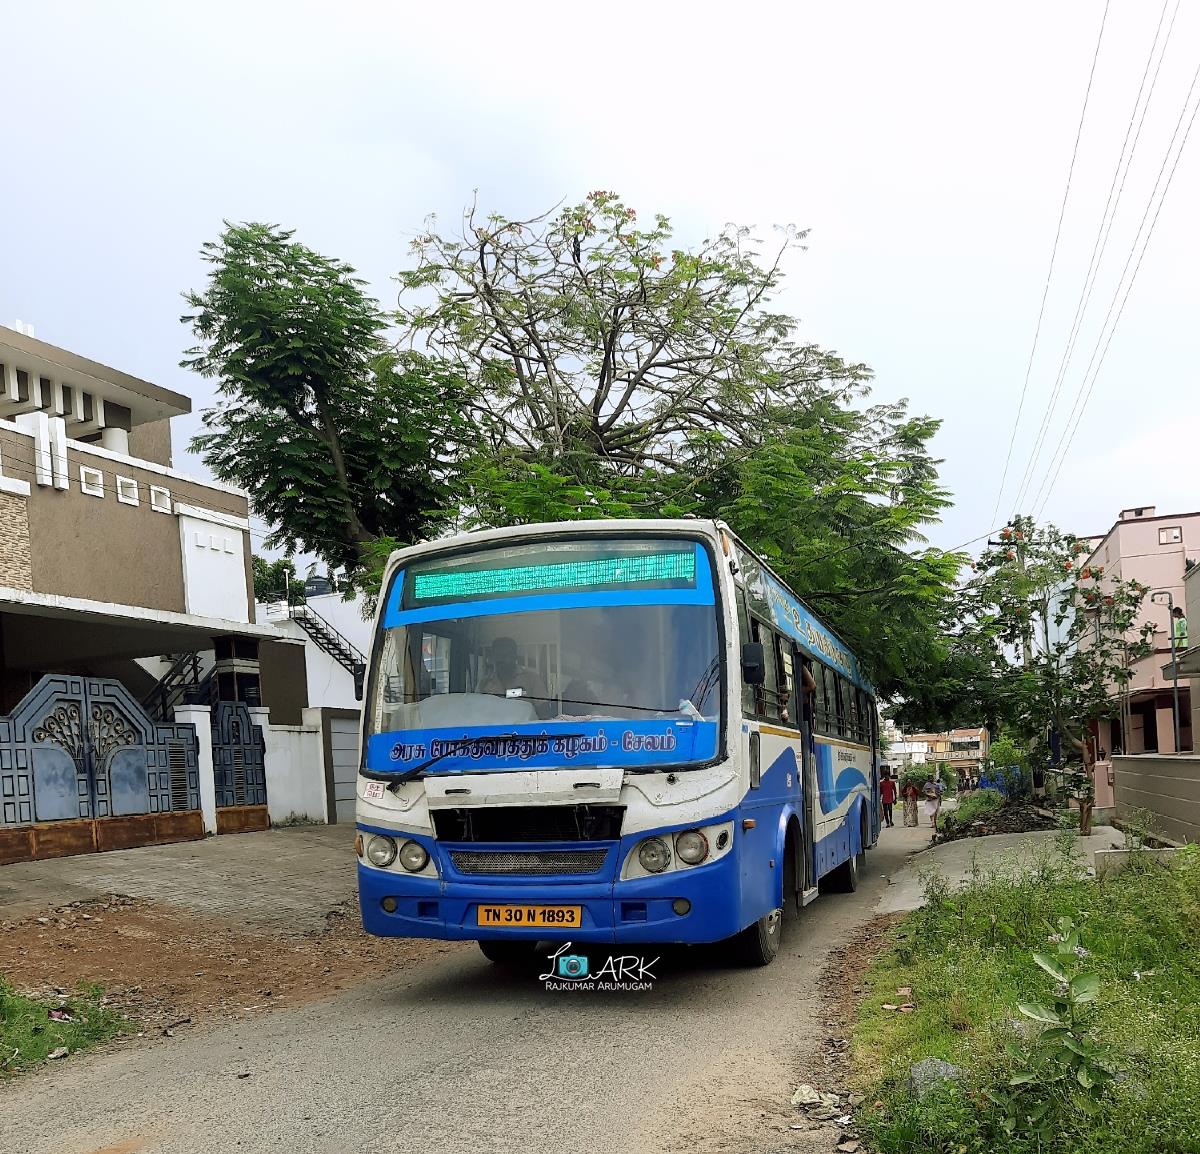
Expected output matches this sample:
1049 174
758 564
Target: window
127 491
749 704
768 695
160 499
91 481
590 663
854 716
788 713
842 690
827 683
1172 535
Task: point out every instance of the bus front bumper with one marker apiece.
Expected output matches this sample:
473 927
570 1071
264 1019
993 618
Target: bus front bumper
640 909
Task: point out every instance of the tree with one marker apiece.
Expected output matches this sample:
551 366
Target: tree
1061 641
276 580
345 446
835 499
598 349
616 374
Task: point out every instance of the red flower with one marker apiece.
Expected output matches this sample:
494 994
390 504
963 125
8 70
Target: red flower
1085 572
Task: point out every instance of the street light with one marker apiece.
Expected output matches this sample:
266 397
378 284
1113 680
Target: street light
1174 651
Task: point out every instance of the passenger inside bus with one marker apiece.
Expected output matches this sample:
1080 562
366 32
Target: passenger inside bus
509 679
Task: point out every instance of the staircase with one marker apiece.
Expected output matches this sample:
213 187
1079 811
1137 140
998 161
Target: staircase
327 638
188 679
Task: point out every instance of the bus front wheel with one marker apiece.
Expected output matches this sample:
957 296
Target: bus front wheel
513 952
758 943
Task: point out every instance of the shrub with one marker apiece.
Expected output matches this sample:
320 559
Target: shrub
969 951
976 806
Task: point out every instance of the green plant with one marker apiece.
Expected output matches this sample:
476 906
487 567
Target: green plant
916 777
1139 826
31 1029
976 806
1064 1068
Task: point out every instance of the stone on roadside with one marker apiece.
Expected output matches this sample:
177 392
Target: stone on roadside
58 1052
806 1095
924 1076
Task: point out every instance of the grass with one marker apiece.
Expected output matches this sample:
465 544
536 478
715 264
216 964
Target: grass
975 806
968 958
28 1034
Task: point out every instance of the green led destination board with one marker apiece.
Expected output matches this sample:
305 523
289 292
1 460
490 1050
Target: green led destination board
661 569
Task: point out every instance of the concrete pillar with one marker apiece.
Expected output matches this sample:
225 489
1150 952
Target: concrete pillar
314 718
201 717
1165 720
115 440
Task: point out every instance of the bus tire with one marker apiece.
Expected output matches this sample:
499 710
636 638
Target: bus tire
758 943
509 952
844 879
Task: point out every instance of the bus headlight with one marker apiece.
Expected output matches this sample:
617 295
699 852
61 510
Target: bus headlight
691 846
654 854
381 851
413 857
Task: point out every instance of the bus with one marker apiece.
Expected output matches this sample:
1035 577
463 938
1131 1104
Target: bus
606 732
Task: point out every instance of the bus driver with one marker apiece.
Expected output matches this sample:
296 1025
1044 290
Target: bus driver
507 676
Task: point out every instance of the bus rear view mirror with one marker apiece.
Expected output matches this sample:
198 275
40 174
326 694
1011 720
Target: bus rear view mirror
360 675
754 663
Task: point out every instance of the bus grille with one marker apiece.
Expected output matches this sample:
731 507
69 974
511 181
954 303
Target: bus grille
530 863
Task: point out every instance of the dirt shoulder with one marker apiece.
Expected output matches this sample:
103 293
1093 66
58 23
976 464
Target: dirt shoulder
164 967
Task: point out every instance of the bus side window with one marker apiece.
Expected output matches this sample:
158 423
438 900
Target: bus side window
831 702
843 720
767 697
789 714
749 702
854 731
820 699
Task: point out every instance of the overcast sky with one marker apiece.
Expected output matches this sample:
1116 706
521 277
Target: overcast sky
925 145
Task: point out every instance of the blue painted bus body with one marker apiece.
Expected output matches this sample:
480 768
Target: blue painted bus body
725 895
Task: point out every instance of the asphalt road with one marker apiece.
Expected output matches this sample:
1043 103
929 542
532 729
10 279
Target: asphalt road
465 1057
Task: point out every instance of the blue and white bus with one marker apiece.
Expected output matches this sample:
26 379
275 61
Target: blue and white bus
606 732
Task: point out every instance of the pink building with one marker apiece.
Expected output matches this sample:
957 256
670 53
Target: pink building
1157 551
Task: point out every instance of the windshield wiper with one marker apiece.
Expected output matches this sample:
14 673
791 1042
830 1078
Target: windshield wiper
418 771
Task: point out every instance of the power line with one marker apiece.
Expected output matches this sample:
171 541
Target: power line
1100 244
1082 398
1053 254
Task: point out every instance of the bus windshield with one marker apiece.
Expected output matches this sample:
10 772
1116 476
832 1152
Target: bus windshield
579 631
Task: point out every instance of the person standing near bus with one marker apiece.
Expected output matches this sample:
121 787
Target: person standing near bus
909 795
933 799
887 795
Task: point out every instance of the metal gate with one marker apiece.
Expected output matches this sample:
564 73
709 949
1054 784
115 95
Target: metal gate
82 747
343 750
237 750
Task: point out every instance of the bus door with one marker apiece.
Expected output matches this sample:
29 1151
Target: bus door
808 773
876 809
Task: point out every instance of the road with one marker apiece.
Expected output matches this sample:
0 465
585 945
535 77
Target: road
464 1057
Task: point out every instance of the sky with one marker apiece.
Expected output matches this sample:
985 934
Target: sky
925 146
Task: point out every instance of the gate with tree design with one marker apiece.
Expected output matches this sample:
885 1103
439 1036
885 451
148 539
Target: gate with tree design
82 767
239 772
